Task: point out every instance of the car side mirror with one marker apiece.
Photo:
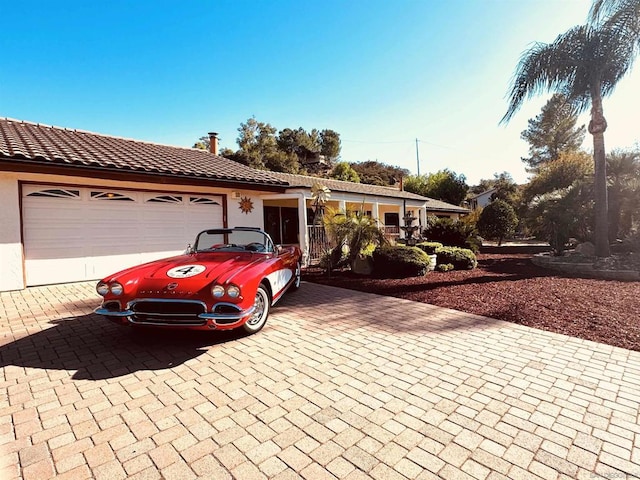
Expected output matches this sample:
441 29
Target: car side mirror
189 250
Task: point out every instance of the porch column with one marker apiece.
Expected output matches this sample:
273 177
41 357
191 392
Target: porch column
342 205
303 234
375 212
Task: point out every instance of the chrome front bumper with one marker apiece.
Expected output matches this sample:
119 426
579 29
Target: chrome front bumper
210 319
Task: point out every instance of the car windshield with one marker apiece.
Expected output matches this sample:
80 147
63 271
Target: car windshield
234 240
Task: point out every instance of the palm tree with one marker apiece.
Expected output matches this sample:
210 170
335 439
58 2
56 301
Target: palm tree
623 15
355 230
585 64
623 168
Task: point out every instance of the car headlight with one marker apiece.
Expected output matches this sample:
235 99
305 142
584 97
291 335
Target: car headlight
233 291
102 288
116 288
217 291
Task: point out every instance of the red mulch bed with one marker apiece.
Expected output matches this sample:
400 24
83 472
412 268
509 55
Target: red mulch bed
509 287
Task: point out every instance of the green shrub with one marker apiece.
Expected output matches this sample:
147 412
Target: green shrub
445 267
497 221
399 262
460 258
455 233
429 247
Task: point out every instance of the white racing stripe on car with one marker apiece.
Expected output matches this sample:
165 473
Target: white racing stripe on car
279 279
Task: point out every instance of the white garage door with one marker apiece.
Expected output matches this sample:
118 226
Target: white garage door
74 234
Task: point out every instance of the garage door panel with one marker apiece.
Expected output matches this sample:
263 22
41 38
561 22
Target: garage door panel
101 266
79 236
42 271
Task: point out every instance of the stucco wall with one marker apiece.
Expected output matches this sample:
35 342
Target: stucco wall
11 250
11 268
237 218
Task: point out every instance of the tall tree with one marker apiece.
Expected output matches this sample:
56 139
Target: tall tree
372 172
444 185
344 171
558 175
553 131
256 140
585 64
497 221
202 143
293 141
330 145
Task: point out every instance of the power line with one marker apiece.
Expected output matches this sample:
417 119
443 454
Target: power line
379 142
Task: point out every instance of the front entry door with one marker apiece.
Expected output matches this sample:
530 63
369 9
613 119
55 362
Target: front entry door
282 224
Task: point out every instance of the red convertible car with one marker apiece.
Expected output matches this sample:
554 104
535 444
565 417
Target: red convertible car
229 279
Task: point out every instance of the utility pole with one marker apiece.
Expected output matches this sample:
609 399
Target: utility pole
417 157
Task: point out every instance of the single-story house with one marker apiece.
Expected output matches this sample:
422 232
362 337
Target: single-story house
78 205
481 200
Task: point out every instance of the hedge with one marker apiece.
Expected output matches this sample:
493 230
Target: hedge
460 258
429 247
399 262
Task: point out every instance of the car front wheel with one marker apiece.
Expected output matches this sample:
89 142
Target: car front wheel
262 304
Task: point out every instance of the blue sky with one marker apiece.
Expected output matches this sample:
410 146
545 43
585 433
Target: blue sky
381 73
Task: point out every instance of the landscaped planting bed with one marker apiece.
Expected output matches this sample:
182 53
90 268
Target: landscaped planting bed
508 286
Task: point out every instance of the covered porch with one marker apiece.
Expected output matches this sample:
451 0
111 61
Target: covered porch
291 219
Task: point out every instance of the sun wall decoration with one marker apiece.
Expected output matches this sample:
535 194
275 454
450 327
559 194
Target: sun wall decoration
245 205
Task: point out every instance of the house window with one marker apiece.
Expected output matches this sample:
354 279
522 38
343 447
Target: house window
111 196
165 199
56 193
392 219
202 201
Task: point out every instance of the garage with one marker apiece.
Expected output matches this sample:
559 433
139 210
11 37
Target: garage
81 233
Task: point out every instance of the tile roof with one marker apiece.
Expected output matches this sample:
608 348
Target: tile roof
365 189
34 143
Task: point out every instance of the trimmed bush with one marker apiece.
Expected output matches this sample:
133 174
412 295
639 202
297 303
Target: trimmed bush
460 258
399 262
429 247
444 267
455 233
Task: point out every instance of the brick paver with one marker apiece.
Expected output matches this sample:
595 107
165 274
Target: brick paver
340 384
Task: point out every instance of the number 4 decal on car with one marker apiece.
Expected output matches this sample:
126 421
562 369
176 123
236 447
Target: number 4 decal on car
186 271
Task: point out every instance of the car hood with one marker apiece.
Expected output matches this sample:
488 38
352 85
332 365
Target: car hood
192 272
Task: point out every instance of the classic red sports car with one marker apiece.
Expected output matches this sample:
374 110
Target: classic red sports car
230 278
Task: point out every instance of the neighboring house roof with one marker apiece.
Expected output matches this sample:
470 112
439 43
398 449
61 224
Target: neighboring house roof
490 191
366 189
31 143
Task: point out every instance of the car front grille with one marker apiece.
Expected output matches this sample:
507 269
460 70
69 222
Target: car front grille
227 309
167 312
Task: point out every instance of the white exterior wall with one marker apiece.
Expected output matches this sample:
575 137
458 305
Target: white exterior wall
237 218
11 265
12 272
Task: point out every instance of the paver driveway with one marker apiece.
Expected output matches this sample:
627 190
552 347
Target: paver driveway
339 384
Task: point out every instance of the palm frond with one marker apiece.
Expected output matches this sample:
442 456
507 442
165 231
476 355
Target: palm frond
616 14
579 61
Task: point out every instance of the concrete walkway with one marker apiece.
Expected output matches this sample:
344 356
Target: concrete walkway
339 384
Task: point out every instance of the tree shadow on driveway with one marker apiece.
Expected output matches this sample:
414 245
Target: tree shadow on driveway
98 349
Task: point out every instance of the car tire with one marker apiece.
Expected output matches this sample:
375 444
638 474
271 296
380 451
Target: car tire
262 306
297 278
